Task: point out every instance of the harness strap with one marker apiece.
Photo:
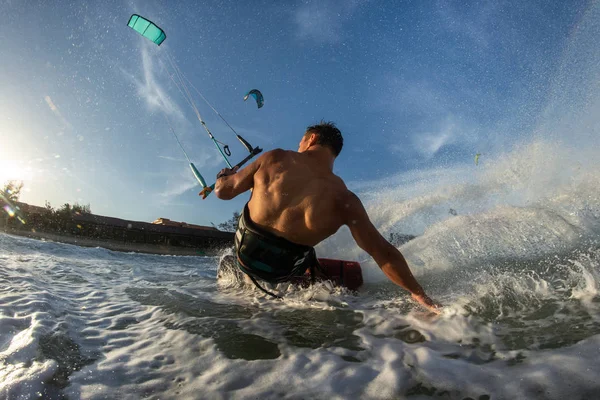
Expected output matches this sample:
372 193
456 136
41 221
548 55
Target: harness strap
263 289
240 264
312 280
314 267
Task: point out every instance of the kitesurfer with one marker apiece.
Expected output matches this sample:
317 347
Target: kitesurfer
297 201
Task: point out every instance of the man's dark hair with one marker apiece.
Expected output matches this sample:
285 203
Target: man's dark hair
327 135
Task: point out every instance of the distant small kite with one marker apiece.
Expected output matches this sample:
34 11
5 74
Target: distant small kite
260 101
477 158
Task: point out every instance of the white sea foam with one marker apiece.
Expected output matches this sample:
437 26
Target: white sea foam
91 323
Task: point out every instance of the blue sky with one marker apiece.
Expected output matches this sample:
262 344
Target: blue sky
412 85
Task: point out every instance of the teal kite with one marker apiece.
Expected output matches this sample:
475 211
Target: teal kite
147 29
260 101
477 158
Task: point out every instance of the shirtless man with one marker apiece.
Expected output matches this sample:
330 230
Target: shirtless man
296 203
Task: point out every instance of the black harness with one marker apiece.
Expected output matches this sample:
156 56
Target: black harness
268 257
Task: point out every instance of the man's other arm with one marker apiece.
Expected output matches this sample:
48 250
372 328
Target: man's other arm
232 183
388 257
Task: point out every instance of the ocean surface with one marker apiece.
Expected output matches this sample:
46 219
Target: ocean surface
510 247
522 319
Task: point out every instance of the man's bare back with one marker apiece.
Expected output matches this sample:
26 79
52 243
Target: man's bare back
297 197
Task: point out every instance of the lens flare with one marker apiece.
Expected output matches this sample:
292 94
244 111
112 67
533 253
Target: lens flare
9 210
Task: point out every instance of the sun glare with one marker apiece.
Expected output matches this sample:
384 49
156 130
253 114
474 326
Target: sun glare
13 170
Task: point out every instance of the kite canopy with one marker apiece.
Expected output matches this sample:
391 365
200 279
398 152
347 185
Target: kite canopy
147 29
260 101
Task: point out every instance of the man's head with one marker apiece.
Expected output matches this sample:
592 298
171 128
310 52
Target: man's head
325 134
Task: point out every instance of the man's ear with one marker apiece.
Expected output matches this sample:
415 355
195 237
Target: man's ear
312 140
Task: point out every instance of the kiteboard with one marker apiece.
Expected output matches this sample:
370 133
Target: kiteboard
347 274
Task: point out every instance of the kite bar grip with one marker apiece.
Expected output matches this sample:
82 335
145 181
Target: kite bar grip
253 152
209 189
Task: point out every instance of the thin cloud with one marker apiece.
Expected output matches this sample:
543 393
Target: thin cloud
169 158
177 184
57 112
430 119
202 157
429 143
204 160
323 21
176 190
150 88
184 180
420 100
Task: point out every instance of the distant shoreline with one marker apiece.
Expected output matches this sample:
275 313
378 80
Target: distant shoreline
113 244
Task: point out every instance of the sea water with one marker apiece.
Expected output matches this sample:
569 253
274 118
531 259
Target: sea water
93 323
516 265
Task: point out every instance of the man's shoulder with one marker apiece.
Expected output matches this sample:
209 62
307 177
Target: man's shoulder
346 203
276 154
338 188
340 185
347 196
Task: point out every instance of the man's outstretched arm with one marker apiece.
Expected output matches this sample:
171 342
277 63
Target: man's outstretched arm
231 183
388 257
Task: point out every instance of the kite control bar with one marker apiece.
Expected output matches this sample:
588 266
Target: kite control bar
206 190
150 31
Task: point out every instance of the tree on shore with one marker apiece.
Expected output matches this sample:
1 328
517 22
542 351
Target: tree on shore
67 209
231 224
9 195
11 191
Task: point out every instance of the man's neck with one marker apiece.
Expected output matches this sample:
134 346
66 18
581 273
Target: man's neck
322 156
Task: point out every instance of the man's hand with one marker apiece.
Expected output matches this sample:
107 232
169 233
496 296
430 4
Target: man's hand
428 303
227 172
231 182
